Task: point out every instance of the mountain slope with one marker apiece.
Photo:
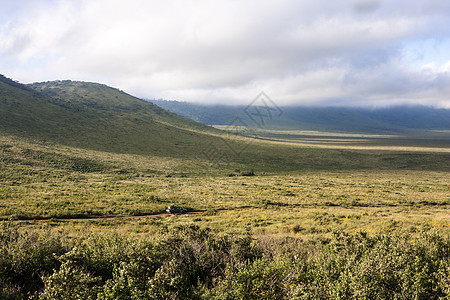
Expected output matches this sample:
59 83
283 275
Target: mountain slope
385 120
98 117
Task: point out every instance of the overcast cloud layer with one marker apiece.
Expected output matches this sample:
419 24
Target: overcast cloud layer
341 52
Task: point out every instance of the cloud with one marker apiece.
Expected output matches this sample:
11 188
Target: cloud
361 52
366 6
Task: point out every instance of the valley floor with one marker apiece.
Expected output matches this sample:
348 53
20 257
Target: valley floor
76 189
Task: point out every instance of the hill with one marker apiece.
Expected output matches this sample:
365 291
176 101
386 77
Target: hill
98 117
336 119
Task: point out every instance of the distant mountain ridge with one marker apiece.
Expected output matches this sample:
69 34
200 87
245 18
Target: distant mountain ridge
347 119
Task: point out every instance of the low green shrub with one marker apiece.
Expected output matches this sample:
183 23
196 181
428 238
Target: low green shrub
193 263
25 257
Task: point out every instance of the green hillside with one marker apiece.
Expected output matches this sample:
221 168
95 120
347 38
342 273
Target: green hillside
94 116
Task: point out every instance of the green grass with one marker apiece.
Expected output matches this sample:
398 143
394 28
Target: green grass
39 181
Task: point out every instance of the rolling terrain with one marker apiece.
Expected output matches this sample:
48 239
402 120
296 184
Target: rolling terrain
75 149
87 171
96 117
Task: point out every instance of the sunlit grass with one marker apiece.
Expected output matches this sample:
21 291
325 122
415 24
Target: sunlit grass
62 184
310 203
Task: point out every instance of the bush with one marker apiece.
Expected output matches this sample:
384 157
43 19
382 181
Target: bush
24 258
260 279
383 266
192 263
70 283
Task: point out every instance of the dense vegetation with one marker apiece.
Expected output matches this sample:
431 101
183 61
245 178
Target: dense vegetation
193 263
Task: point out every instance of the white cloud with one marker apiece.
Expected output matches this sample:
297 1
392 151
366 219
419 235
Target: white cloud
228 51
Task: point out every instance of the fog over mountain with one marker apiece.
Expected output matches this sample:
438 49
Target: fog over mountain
407 119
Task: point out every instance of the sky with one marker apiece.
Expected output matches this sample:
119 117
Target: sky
343 52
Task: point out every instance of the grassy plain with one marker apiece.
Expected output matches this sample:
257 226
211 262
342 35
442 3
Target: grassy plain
395 187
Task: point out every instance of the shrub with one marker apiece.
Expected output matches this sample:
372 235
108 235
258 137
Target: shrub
25 257
260 279
193 263
70 283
